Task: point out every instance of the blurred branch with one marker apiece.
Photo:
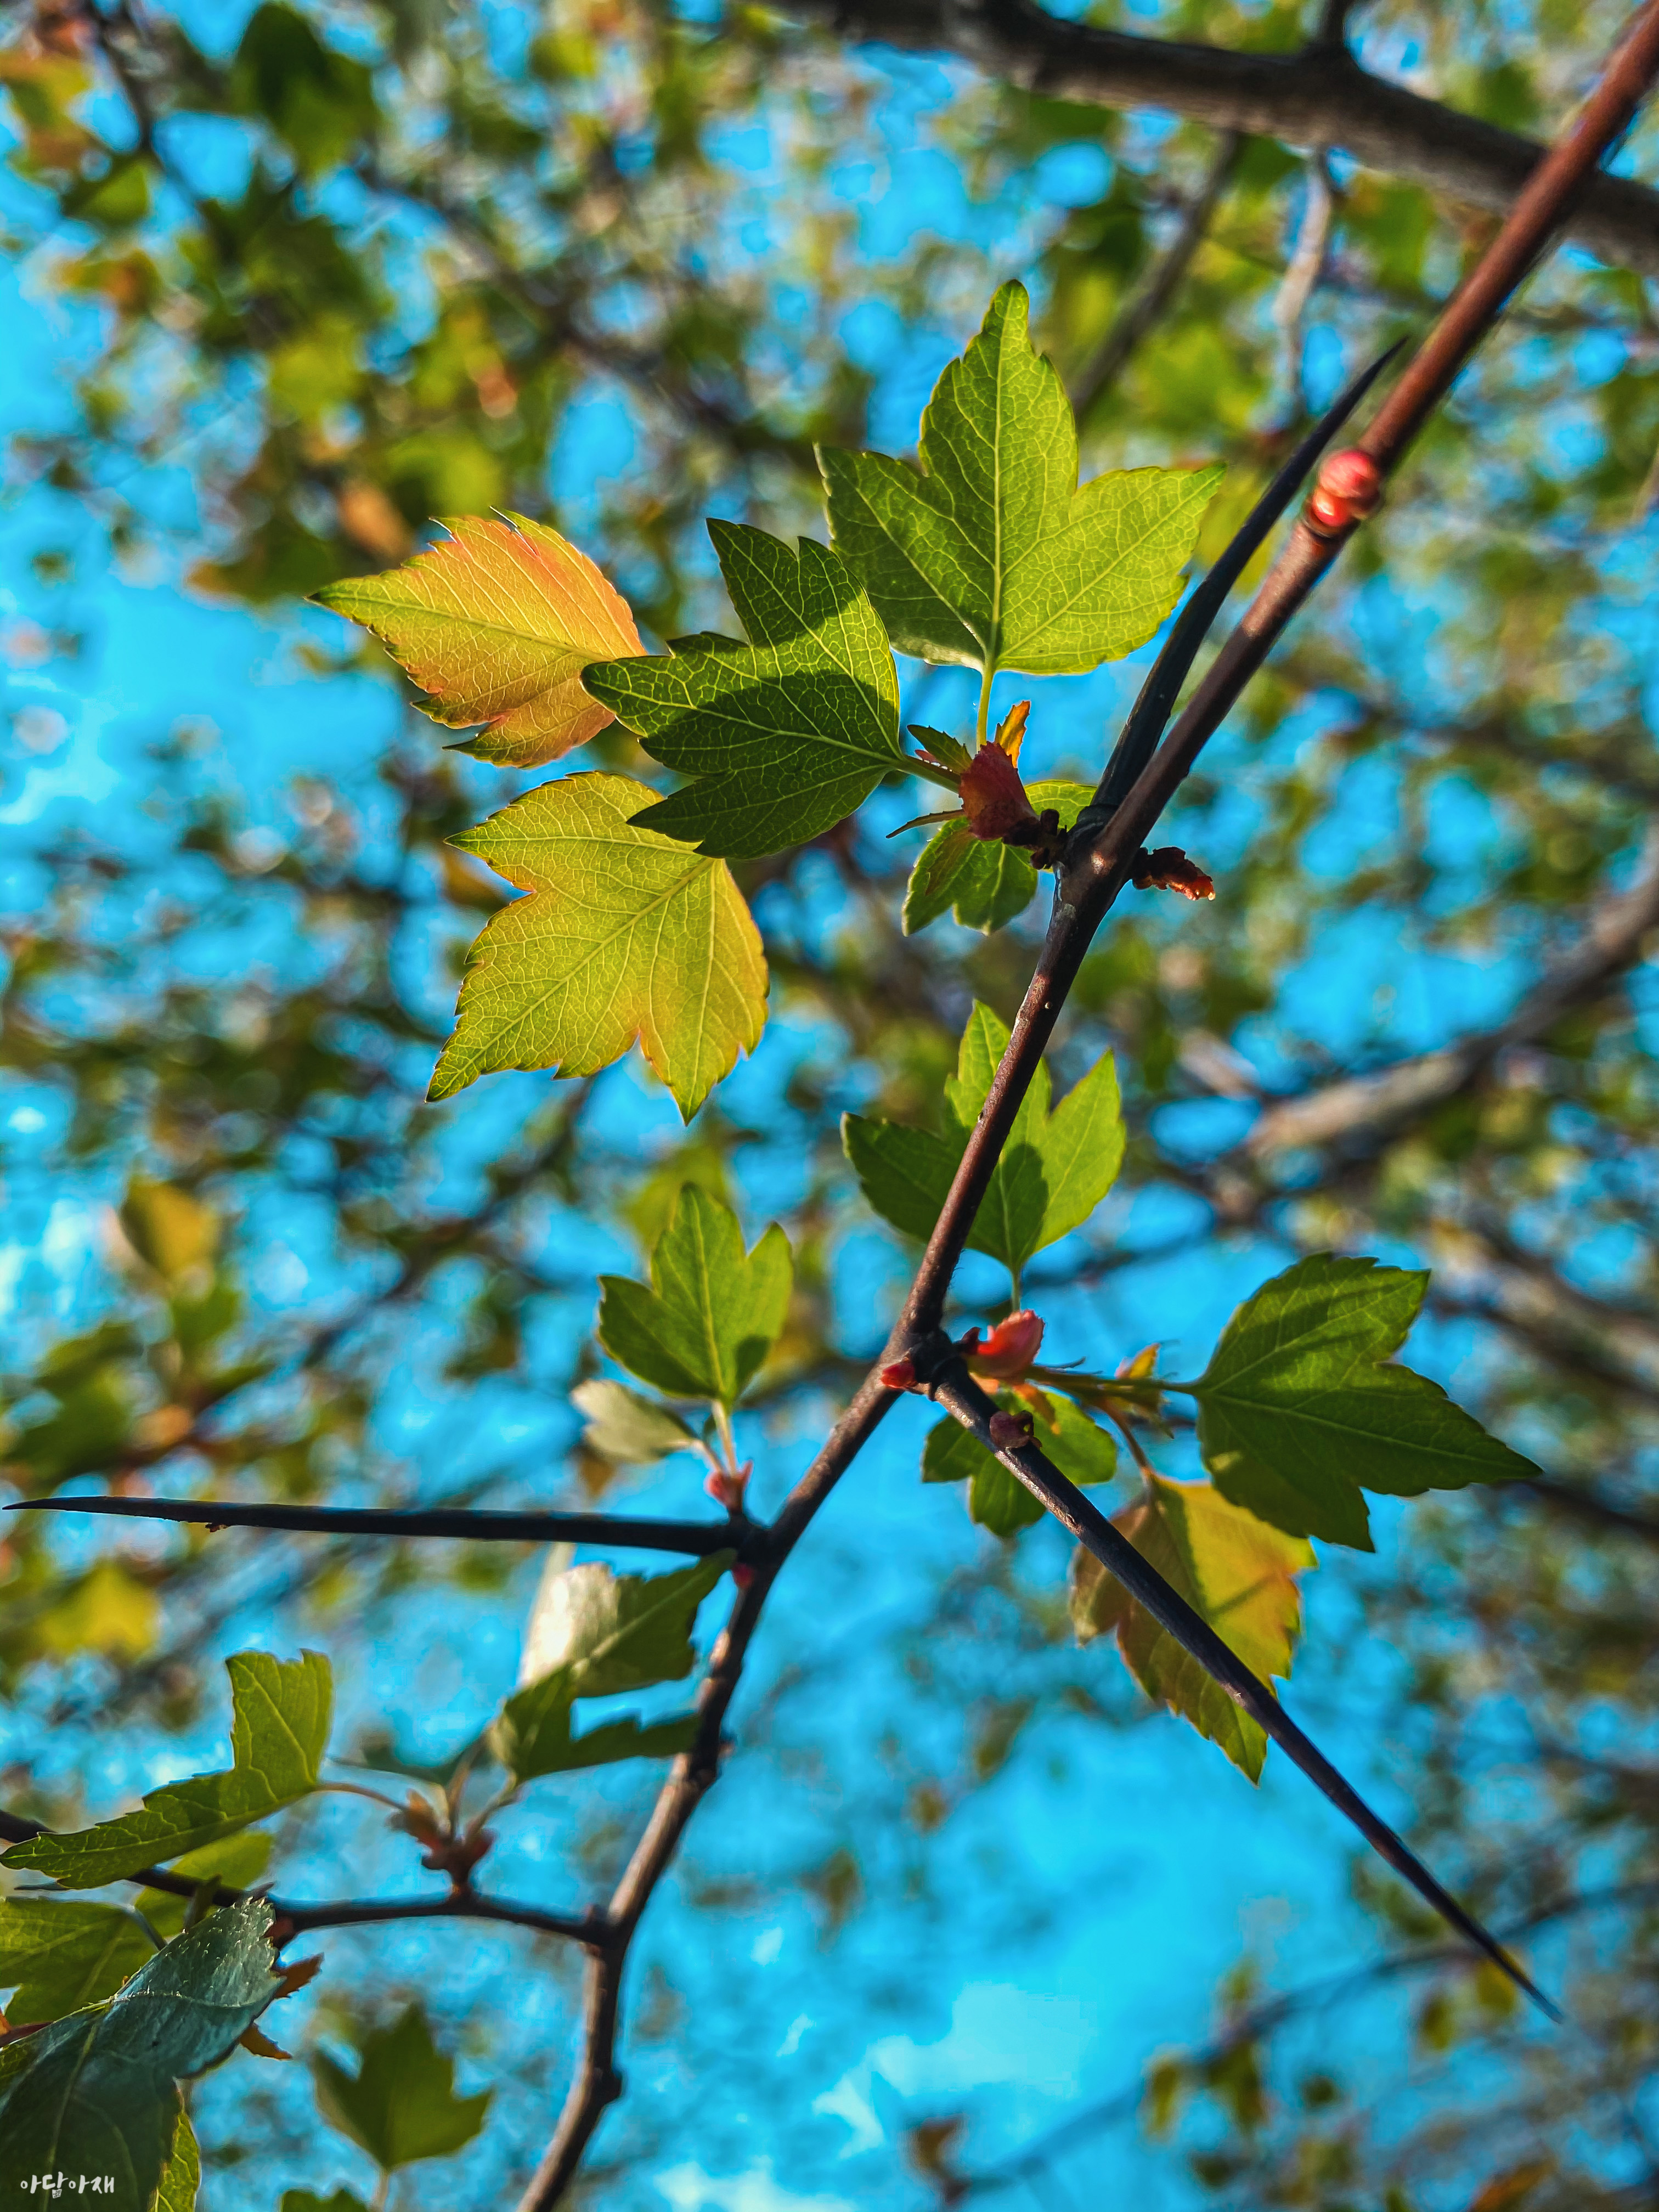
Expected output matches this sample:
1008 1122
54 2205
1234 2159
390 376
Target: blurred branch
1146 309
1319 95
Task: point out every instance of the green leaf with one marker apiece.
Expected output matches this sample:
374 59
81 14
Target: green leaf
181 2177
625 935
400 2105
595 1633
1231 1568
1297 1412
786 735
97 2091
631 1429
498 622
1053 1171
712 1313
987 553
997 1500
60 1956
985 884
279 1732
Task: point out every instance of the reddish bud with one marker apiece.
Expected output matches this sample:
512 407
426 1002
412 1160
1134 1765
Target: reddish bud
1010 1430
743 1575
1011 1349
899 1375
1170 870
992 797
726 1489
1350 487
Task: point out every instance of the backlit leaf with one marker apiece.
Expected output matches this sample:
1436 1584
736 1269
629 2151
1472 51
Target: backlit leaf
498 622
987 552
593 1634
786 735
623 1426
96 2092
181 2177
279 1731
61 1955
626 935
1235 1571
400 2105
1300 1408
712 1313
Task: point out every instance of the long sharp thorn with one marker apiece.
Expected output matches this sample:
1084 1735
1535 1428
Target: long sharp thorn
1138 740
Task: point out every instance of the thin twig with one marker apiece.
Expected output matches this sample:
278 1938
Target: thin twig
700 1540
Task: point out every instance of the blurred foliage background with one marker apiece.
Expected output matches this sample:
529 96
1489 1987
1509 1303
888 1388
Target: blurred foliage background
288 283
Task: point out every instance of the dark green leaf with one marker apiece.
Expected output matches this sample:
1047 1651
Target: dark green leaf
400 2105
96 2092
712 1314
786 735
278 1734
1298 1413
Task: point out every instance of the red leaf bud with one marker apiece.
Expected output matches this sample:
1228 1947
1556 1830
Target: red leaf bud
1011 1348
899 1375
1349 489
1010 1430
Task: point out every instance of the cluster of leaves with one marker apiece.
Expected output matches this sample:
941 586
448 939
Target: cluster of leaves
359 433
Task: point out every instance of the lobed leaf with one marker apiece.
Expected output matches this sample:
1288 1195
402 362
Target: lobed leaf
1054 1169
400 2105
987 552
784 736
96 2092
712 1313
1234 1570
1301 1410
497 623
626 935
279 1731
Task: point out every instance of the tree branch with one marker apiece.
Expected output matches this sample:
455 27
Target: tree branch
1320 95
700 1540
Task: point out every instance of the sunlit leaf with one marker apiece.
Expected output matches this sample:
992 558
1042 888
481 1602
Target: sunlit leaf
279 1732
988 552
627 1428
712 1311
1231 1568
498 622
593 1634
626 935
181 2177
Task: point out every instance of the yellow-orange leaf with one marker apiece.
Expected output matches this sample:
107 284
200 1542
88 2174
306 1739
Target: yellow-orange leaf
1233 1569
498 622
